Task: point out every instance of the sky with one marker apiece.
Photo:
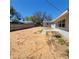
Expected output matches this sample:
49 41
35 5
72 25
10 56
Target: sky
29 7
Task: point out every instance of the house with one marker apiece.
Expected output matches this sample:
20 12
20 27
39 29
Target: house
47 23
62 21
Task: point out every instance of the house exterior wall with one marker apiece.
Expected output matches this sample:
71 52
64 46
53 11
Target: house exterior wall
67 23
63 17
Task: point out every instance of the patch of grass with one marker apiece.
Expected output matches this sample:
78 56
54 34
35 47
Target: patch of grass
40 30
56 37
59 38
61 41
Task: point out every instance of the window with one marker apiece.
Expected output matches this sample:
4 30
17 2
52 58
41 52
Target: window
61 23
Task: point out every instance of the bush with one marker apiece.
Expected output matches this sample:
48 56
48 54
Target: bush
57 36
61 41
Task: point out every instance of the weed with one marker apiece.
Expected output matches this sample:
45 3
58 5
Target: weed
40 30
61 41
57 36
67 52
50 41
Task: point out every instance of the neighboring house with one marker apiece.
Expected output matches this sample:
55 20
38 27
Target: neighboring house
47 23
62 21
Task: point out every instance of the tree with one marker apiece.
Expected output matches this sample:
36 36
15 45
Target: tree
12 12
39 17
18 16
14 15
28 18
48 18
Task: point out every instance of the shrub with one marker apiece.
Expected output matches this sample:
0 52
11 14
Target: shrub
61 41
57 36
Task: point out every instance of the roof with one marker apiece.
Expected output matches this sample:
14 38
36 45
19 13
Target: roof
66 11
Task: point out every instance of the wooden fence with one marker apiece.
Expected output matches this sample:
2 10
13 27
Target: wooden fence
14 27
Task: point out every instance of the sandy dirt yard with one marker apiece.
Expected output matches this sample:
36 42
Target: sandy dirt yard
33 44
